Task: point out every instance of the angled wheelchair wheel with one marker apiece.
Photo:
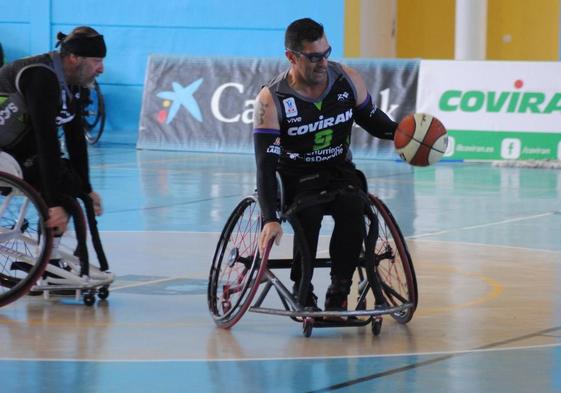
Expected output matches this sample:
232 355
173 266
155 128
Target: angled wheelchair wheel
93 113
25 241
394 265
237 267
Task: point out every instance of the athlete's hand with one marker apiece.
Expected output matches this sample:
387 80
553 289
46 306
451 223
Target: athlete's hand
96 200
58 219
271 230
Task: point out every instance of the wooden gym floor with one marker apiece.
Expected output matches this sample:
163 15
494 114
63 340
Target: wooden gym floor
485 243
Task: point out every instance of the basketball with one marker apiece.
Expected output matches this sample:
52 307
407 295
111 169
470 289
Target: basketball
420 139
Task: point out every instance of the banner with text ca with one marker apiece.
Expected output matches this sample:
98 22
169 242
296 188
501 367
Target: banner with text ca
494 110
208 104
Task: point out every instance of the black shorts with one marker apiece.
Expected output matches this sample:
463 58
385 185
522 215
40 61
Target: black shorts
298 183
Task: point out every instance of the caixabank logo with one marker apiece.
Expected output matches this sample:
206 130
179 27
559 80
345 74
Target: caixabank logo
172 102
516 101
177 98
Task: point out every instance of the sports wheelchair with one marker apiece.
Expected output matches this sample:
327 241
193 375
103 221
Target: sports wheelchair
386 276
26 244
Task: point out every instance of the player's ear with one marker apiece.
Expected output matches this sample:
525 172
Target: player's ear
73 59
291 56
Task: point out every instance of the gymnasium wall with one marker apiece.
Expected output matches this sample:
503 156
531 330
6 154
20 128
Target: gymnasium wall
134 29
522 30
425 29
249 28
516 29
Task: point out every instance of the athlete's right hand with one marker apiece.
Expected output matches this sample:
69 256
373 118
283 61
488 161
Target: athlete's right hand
271 230
58 219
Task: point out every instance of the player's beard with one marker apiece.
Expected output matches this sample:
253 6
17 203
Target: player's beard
84 77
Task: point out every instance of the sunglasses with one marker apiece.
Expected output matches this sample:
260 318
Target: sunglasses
314 57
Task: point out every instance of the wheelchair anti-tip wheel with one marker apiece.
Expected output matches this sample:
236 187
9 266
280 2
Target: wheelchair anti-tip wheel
237 267
393 263
25 241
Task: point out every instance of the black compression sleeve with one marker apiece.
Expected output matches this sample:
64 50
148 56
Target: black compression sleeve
374 120
41 92
266 157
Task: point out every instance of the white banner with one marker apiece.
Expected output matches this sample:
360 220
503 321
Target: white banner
492 95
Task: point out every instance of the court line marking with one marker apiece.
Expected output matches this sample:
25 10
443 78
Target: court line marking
469 227
151 282
287 236
423 363
494 291
482 349
135 164
490 245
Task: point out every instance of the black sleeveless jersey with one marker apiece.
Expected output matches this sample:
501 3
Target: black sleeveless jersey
9 73
10 90
315 133
49 103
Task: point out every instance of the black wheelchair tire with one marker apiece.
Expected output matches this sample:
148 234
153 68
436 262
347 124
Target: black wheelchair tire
93 116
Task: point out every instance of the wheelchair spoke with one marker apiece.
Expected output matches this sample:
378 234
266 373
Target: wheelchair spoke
236 266
24 240
393 263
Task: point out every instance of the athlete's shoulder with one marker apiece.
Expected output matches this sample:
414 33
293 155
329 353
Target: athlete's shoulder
342 70
274 83
335 66
37 60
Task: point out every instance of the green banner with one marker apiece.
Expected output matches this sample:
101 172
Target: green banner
494 145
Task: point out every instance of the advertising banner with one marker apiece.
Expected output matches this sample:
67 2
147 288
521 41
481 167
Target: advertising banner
494 110
208 104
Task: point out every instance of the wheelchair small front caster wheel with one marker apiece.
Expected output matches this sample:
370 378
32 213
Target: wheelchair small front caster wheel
376 326
103 293
88 299
307 326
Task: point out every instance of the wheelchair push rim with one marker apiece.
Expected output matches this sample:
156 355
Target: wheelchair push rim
237 267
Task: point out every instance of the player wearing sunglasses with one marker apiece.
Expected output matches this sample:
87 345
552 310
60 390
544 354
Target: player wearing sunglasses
302 128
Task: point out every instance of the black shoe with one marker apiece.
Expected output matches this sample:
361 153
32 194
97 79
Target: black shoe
311 301
336 296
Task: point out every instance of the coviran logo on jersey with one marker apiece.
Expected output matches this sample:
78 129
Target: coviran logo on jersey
321 123
500 102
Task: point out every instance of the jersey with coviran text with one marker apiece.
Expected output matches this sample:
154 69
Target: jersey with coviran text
314 132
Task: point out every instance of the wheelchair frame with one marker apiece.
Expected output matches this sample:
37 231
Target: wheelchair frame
238 271
21 274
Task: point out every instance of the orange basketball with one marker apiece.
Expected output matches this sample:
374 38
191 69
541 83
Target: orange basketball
421 139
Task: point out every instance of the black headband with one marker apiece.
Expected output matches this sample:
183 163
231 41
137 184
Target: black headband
86 46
